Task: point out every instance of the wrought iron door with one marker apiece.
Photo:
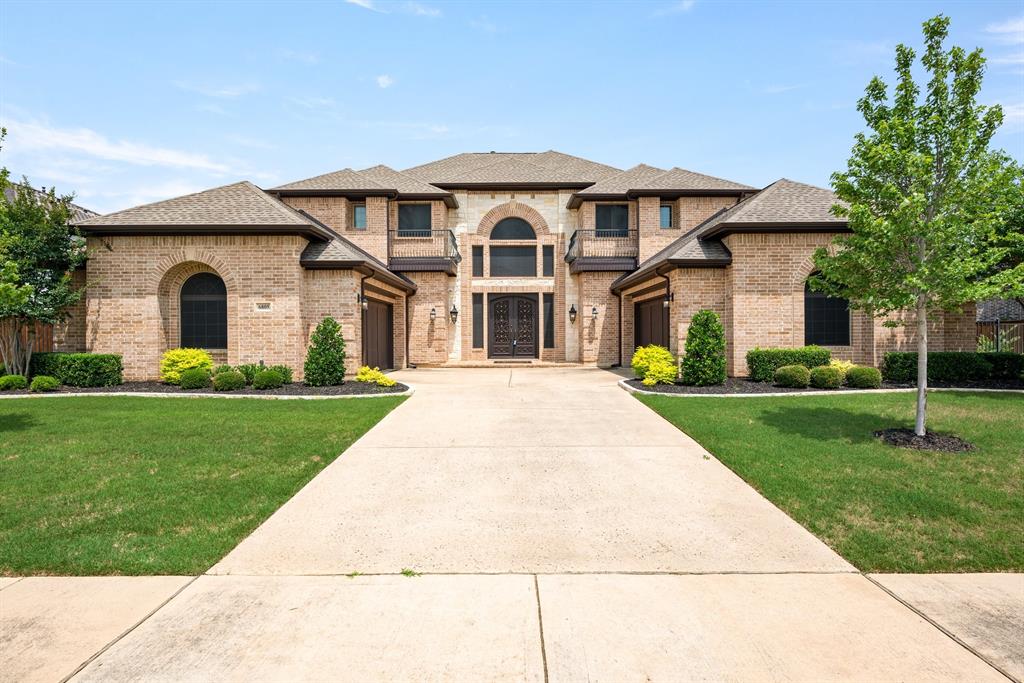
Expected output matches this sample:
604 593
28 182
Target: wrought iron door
513 326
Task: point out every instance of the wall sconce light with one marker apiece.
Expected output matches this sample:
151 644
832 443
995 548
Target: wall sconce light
363 301
668 300
593 312
453 314
433 313
572 314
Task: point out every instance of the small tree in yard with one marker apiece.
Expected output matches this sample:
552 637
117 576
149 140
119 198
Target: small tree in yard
926 199
325 360
38 253
704 362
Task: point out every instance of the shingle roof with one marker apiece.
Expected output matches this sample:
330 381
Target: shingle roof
1000 309
78 213
402 182
682 179
622 182
338 252
643 179
344 180
238 204
783 205
550 167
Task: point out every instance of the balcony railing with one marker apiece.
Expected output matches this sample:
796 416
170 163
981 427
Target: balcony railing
603 250
423 250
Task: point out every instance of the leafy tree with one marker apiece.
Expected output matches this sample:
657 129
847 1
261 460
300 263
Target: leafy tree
325 360
704 362
926 199
39 252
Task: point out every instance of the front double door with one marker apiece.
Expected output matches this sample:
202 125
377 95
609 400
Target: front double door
512 325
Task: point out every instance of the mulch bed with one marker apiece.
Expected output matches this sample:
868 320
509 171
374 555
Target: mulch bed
350 388
906 438
739 385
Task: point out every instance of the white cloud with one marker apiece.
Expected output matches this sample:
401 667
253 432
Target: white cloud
1009 32
1013 115
299 56
31 135
680 7
366 4
484 25
421 10
385 81
7 60
221 91
1015 58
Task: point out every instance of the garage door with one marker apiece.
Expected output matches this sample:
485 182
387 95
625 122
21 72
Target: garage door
378 335
650 320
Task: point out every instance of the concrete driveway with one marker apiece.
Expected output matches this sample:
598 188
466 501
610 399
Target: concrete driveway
526 470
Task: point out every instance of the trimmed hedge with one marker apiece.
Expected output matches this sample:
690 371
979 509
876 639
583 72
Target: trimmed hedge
943 366
11 382
860 377
79 369
228 381
267 379
645 356
194 378
1005 364
44 383
176 361
284 371
827 377
792 376
762 363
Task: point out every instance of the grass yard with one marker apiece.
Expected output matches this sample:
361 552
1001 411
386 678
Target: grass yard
884 509
126 485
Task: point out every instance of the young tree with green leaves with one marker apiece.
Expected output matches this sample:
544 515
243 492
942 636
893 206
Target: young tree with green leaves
39 252
925 197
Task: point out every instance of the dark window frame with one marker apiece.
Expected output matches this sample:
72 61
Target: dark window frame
505 259
547 253
355 212
548 311
826 319
671 216
478 320
513 228
203 312
478 260
614 216
417 230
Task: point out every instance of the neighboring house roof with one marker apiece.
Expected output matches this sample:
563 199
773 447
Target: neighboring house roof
78 213
550 168
236 208
339 253
1000 309
784 205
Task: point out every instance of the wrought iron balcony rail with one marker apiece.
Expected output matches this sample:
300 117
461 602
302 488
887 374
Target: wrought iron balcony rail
603 244
422 250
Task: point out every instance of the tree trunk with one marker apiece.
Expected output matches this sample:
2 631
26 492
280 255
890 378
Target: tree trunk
922 368
12 352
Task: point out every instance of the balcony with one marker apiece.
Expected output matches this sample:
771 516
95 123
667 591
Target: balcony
610 250
423 250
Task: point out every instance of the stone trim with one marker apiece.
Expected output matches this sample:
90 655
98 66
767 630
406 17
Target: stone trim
513 209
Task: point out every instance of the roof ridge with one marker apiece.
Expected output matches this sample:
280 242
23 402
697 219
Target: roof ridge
163 201
373 185
275 202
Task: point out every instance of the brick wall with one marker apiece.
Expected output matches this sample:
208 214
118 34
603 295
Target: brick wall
333 293
69 335
336 213
430 340
598 338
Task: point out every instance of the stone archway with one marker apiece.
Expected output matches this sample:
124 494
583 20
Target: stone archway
513 209
174 272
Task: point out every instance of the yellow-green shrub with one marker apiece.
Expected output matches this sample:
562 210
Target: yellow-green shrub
176 361
843 366
374 376
645 356
660 372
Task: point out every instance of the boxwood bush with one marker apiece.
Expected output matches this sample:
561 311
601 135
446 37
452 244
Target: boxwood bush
762 363
249 371
704 361
79 369
194 378
793 376
943 366
1005 364
827 377
267 379
284 371
176 361
228 381
12 382
645 356
43 383
860 377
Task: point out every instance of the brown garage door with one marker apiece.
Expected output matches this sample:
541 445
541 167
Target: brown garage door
378 335
650 320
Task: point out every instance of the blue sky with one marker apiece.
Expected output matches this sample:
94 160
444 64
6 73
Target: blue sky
124 103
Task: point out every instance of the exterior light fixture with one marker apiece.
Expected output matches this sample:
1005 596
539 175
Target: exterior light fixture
433 313
572 314
453 314
363 301
593 312
668 300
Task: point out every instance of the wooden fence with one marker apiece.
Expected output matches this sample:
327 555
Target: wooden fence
1004 335
44 337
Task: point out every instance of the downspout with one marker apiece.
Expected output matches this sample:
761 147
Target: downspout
362 316
619 295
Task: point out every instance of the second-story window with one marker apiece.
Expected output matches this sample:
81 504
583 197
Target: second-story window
666 215
611 220
359 216
414 220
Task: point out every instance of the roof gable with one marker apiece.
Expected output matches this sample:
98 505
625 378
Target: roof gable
538 168
784 203
345 180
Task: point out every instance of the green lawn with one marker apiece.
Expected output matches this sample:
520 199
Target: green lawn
126 485
882 508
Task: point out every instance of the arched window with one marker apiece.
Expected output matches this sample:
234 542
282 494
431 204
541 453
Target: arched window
826 319
204 312
513 229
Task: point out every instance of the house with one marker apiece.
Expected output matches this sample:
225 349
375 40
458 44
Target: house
478 258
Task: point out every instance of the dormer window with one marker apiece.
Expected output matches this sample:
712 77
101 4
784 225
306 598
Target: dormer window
414 220
359 216
611 220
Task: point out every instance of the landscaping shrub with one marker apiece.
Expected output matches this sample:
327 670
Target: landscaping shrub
842 365
267 379
704 361
762 363
176 361
284 371
325 359
222 369
249 371
860 377
194 378
794 376
228 381
826 377
12 382
1005 364
645 355
660 372
43 383
943 366
374 376
79 369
